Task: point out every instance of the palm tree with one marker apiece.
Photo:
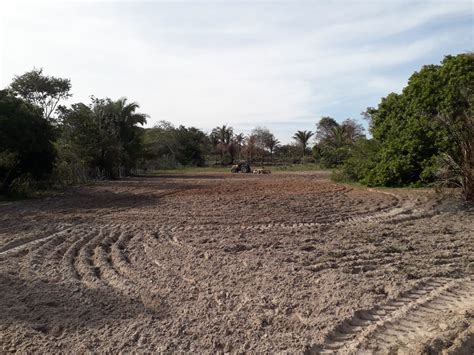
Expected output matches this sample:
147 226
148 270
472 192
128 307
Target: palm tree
128 121
223 136
119 136
332 134
271 142
302 138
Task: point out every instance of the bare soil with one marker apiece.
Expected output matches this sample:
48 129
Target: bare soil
233 263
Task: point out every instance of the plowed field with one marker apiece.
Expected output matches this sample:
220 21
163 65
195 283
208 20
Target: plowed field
233 263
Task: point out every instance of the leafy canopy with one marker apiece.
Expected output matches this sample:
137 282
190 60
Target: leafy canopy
41 90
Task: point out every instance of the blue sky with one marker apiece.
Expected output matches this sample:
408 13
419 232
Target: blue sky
279 64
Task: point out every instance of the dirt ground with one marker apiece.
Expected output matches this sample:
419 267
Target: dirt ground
236 263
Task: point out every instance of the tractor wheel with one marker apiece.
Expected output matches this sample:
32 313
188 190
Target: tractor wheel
245 169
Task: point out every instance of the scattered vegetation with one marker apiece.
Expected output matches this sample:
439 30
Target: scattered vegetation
421 136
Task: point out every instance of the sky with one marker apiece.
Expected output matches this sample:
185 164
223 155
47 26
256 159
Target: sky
279 64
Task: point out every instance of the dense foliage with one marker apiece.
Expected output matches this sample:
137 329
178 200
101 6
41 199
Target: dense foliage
336 141
103 138
167 146
425 131
26 142
423 134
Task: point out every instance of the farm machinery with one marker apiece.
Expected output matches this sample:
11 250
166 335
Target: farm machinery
241 168
245 168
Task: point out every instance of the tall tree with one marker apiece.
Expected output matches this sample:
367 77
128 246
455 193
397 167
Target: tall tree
334 141
261 137
105 135
455 112
223 136
335 135
130 134
250 147
302 138
271 143
41 90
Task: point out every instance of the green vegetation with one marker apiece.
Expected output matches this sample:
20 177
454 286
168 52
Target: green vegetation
225 169
423 135
302 139
335 142
43 91
101 140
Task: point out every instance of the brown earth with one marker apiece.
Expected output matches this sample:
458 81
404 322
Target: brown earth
233 263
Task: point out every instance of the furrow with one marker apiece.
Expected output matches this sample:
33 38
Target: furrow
405 317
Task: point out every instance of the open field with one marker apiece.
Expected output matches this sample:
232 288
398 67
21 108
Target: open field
226 169
229 263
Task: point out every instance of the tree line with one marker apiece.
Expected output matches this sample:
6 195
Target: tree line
44 142
423 135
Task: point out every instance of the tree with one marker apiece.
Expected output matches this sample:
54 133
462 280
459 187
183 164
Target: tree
239 141
334 141
191 143
130 134
271 143
302 138
104 135
261 137
326 130
161 146
222 136
288 152
167 146
26 142
332 134
41 90
429 122
250 148
455 112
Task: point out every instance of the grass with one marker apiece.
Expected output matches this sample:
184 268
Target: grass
226 169
297 167
190 170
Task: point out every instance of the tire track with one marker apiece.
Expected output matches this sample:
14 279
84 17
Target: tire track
72 253
401 323
84 264
397 212
107 255
19 244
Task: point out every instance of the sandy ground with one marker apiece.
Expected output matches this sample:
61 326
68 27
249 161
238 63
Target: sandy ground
234 263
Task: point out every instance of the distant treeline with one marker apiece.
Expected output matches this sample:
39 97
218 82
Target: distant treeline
421 136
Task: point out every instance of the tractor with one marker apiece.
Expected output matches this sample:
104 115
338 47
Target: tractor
241 168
